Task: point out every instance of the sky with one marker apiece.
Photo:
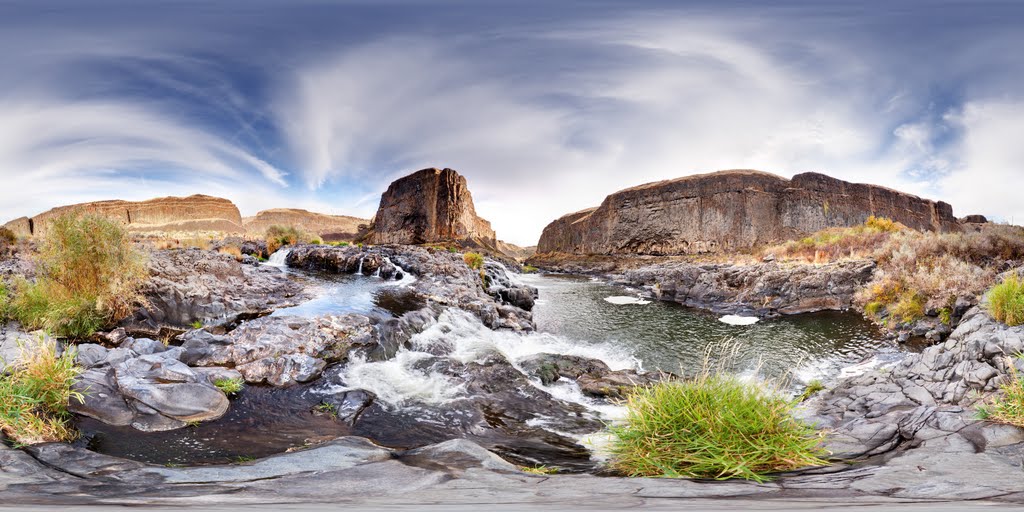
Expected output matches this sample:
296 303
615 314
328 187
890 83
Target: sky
545 107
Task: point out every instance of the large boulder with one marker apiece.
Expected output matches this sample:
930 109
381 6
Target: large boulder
428 206
732 210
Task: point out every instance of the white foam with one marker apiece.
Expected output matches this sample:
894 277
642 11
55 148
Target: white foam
625 299
398 382
738 320
278 258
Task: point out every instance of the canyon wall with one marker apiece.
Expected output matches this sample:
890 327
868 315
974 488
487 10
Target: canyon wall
166 214
428 206
732 210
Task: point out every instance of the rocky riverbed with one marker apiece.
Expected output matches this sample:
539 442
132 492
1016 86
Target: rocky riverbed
908 431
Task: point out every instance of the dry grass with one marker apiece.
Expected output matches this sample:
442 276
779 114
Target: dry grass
917 271
89 275
34 395
231 250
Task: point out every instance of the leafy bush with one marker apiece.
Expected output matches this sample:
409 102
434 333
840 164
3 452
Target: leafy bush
34 395
714 426
89 275
280 236
474 260
1006 301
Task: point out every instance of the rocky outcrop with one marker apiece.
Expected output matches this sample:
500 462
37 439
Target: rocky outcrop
193 285
926 400
762 289
166 214
22 226
144 384
516 252
279 350
328 227
429 206
732 210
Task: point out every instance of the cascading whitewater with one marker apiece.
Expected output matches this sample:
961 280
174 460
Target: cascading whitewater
279 258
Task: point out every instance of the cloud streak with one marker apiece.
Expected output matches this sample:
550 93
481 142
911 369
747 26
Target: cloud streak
545 111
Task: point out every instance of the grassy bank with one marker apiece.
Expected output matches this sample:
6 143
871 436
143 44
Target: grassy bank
917 271
714 426
35 393
88 276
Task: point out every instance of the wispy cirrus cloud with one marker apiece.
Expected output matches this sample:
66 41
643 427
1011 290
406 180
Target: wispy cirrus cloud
546 110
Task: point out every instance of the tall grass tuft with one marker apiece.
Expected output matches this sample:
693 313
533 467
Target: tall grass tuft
1006 301
713 426
1008 406
35 393
89 275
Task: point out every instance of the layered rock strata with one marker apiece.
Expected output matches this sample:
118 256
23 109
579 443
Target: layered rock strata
166 214
732 210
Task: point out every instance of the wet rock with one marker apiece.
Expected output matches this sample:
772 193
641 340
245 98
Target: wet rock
102 399
615 385
348 405
551 367
169 388
193 285
762 289
280 351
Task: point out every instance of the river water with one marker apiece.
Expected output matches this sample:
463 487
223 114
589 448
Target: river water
417 404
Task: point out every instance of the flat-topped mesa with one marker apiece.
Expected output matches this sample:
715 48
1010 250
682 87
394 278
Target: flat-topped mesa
328 227
732 210
429 206
165 214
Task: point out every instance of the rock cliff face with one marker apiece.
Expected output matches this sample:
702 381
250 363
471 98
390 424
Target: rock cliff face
166 214
731 210
327 227
428 206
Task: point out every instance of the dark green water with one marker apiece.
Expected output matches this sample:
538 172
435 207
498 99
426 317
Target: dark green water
666 336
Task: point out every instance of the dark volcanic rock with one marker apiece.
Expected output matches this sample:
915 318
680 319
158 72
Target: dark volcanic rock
731 210
428 206
192 285
763 289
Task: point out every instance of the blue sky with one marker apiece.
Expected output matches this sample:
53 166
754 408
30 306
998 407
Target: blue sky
546 107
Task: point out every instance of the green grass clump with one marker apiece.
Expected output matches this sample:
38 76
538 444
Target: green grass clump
89 276
1006 301
35 392
230 386
474 260
714 426
280 236
316 240
813 387
908 308
198 324
538 470
529 269
1008 407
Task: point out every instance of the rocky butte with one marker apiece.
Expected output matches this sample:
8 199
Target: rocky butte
327 227
732 210
165 214
429 206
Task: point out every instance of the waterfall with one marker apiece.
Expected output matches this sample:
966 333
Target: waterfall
278 259
360 269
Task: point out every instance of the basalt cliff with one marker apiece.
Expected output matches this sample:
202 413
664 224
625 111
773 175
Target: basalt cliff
429 206
732 210
165 214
